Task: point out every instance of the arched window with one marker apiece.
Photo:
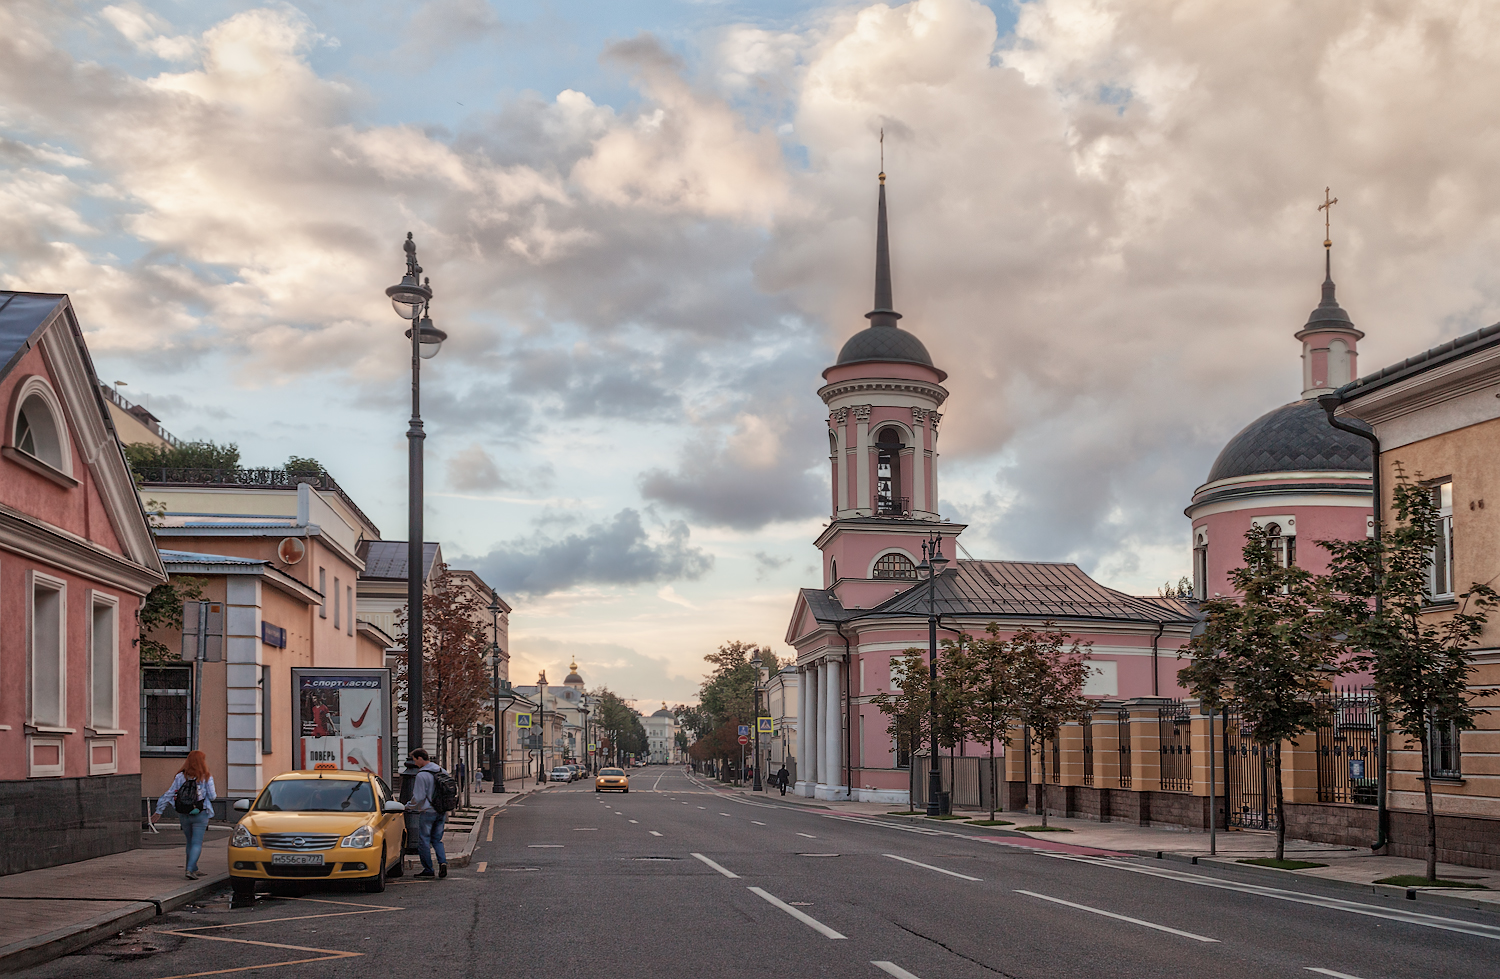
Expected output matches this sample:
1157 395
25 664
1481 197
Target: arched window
1284 546
888 474
895 565
37 428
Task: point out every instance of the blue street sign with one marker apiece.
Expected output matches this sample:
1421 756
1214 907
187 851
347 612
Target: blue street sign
745 729
765 725
1356 768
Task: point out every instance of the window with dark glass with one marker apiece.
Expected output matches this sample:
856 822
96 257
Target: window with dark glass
165 693
1440 575
895 566
1443 744
1285 545
1200 569
888 472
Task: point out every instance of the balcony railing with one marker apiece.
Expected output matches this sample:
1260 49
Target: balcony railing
899 506
263 478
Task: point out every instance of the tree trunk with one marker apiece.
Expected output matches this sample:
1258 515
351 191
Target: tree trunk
1280 810
1431 815
994 786
1041 790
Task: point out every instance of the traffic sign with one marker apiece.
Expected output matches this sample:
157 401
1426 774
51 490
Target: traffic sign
592 746
744 730
765 725
744 739
523 720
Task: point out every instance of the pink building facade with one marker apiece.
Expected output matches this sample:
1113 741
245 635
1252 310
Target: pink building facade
884 398
76 561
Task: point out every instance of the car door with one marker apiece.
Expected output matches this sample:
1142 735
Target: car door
391 824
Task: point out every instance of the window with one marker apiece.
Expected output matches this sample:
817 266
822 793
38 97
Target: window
349 609
165 708
902 749
39 430
45 651
335 601
1443 745
104 664
1285 545
1200 565
1440 575
323 590
888 473
266 745
895 565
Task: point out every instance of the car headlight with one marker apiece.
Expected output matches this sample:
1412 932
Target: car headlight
364 836
243 837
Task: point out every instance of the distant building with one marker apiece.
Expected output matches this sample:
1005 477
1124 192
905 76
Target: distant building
781 706
76 563
661 737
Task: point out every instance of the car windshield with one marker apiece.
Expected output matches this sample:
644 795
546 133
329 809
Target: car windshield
562 769
317 795
612 771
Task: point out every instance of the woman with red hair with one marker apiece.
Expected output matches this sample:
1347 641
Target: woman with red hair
192 795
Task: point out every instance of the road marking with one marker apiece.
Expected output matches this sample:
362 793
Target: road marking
1330 972
490 836
1296 897
1118 917
928 866
726 873
635 820
482 865
757 822
653 832
808 835
700 807
324 954
544 846
723 813
806 919
585 829
892 969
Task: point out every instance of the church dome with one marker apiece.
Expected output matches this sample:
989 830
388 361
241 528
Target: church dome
573 677
664 713
1293 438
887 343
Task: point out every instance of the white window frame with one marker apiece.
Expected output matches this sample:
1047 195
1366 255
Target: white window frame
46 723
33 770
870 574
106 723
36 385
1200 563
1440 588
1286 548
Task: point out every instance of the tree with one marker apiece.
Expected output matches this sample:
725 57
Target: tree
162 609
1049 674
908 705
621 724
455 684
1420 662
147 460
1266 654
727 694
992 703
304 466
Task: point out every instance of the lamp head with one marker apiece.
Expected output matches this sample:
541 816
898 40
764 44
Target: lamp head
429 338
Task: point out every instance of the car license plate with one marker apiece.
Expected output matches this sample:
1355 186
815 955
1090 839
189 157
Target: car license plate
298 859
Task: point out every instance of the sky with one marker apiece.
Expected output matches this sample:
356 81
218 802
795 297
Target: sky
649 227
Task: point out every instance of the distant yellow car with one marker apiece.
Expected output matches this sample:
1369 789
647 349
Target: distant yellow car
307 826
612 780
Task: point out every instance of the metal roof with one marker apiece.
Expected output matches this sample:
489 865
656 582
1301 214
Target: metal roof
1417 363
387 559
1293 438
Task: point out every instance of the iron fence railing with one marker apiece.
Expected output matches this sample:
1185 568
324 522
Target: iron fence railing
1123 718
1088 749
1347 749
1247 776
269 478
966 779
1175 726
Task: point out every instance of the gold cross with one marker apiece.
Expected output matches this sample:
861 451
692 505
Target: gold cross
1327 208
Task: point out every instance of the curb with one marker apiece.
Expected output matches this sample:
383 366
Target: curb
1446 899
55 944
461 858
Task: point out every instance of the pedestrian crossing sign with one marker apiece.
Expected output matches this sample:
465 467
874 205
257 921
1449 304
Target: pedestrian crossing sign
523 720
744 730
765 725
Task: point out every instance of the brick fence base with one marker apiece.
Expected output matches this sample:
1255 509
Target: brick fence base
47 822
1469 841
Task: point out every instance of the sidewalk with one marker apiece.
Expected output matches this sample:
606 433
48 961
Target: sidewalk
1353 867
43 913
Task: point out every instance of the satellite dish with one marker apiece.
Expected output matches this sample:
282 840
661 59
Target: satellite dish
291 550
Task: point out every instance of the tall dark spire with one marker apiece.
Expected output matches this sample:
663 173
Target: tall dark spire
884 313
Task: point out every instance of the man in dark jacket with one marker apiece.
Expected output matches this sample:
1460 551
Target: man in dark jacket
781 776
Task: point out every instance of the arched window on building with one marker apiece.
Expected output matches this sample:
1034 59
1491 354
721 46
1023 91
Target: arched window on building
888 502
38 430
1285 545
895 565
1200 565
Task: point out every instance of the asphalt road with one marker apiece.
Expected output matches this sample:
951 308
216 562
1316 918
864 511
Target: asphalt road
675 879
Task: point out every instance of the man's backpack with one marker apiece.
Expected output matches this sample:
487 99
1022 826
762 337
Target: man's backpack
186 800
444 791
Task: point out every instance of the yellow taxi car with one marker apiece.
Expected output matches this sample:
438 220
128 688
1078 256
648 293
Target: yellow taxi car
307 826
612 780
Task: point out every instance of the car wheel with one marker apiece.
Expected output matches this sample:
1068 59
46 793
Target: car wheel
243 889
627 791
376 883
596 790
398 869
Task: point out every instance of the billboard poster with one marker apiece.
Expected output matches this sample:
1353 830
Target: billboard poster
341 720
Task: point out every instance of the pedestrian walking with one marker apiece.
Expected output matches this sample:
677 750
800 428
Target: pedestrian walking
192 795
433 795
781 778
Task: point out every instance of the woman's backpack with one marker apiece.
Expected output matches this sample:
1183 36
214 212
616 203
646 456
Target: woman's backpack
186 800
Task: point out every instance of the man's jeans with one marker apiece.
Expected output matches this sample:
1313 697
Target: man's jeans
430 834
193 827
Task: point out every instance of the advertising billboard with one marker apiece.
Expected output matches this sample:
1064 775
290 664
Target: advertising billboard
341 720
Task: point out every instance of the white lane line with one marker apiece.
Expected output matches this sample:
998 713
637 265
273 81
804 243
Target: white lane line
757 822
635 820
892 969
544 846
806 919
654 833
726 873
700 807
808 835
928 866
1296 897
723 813
1330 972
1118 917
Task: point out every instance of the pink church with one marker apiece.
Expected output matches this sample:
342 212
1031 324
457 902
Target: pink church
1289 471
883 397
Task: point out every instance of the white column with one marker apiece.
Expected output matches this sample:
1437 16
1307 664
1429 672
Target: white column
841 456
814 707
862 460
833 731
803 724
919 460
932 419
242 681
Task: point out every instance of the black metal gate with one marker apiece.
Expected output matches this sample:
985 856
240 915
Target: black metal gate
1174 728
1122 718
1247 776
1347 769
1088 749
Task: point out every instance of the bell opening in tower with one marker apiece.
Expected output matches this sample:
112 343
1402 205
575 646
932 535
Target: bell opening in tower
888 475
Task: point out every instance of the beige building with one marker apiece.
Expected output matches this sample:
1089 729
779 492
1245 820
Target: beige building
781 705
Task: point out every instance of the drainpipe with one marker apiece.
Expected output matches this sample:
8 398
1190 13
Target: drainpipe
848 715
1156 673
1329 403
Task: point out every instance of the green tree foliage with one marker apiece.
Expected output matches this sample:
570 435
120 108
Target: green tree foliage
455 683
1421 661
162 612
146 461
304 465
1048 674
1266 654
993 700
625 733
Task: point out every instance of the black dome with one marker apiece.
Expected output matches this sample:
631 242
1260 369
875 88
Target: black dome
889 343
1292 438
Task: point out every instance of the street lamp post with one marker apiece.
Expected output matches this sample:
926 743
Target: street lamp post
412 300
932 564
760 668
497 743
541 706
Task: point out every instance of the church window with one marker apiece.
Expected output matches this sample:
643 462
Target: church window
888 474
1200 566
895 565
1285 545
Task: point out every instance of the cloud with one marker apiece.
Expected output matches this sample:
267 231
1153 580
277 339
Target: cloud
767 564
618 551
472 470
438 26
